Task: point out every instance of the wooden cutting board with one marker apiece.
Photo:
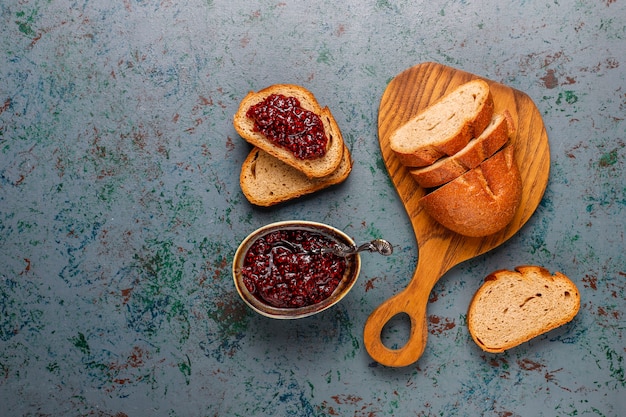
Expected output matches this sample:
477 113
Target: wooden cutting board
440 249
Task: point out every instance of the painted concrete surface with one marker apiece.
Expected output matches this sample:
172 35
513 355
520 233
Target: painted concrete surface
120 208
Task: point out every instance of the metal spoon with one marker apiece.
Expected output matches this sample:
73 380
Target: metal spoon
377 245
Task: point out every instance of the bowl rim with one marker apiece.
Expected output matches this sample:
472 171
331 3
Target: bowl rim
347 282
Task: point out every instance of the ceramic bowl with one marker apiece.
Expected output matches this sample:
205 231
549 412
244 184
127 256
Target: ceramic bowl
353 267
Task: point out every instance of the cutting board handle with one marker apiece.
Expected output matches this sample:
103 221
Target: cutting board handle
412 350
411 301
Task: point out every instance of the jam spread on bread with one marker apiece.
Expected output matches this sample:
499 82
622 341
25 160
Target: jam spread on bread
280 277
284 122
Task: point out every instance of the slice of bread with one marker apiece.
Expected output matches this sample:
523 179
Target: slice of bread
480 202
313 168
445 127
512 307
495 135
267 181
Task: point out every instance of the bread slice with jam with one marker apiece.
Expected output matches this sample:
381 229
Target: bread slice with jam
311 166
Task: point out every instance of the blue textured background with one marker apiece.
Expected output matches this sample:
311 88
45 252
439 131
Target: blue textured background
120 208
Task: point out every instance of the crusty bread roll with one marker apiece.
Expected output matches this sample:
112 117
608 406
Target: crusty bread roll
267 181
480 202
444 127
512 307
495 135
313 168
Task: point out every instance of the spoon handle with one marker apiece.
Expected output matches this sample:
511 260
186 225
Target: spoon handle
377 245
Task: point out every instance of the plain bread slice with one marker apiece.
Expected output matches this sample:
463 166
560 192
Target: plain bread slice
512 307
267 181
444 127
495 135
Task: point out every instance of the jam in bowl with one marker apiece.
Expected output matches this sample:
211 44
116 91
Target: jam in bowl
280 271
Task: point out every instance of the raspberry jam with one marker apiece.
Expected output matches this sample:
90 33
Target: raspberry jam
282 278
285 123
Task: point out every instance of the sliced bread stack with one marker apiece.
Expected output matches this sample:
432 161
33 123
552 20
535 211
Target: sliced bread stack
272 174
458 149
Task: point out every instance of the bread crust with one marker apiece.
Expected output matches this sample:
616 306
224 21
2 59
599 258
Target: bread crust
441 129
495 135
480 202
266 181
512 307
312 168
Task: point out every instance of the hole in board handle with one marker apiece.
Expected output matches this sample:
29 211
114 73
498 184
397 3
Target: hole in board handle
396 332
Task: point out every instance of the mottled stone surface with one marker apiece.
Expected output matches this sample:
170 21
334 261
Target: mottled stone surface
120 208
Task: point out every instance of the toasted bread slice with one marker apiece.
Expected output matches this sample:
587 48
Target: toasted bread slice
267 181
480 202
512 307
444 127
495 135
312 168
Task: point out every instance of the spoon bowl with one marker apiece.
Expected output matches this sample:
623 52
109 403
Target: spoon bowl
350 275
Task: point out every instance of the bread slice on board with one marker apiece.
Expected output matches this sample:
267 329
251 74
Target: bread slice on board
480 202
267 181
313 168
444 127
512 307
495 135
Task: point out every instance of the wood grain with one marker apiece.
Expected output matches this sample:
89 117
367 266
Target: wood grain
440 249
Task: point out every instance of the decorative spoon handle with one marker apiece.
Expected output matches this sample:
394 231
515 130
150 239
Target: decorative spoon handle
377 245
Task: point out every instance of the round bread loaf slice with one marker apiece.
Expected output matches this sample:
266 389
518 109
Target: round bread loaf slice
444 127
312 168
512 307
480 202
266 181
495 135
